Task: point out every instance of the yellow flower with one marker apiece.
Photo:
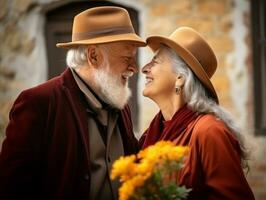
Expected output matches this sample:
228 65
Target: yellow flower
129 186
126 190
163 150
124 167
145 167
177 153
151 153
143 172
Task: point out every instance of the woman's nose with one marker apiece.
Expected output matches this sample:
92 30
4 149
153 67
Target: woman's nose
146 68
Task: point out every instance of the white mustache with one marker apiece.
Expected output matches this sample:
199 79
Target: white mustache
128 74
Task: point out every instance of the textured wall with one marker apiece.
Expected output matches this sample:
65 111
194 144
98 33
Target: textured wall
22 51
226 26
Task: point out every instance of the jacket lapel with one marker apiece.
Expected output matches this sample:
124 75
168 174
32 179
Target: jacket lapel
78 107
126 130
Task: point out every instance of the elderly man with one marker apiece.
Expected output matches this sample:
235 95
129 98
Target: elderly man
64 135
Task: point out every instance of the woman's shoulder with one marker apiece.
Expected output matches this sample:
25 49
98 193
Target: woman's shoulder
207 122
209 128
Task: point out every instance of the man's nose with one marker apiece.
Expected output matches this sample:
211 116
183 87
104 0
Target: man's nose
133 66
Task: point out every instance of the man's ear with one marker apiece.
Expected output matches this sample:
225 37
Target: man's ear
92 56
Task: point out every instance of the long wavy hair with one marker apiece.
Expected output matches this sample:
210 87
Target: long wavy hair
197 98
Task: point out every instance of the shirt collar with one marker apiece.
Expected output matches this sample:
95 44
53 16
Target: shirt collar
93 99
90 95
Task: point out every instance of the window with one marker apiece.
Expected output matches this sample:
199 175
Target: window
258 14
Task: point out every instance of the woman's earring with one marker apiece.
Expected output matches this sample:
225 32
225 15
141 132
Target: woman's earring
177 89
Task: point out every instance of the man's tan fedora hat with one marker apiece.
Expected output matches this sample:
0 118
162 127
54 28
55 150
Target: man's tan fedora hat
102 25
194 50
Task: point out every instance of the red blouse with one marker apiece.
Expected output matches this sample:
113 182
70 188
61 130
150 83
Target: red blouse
213 166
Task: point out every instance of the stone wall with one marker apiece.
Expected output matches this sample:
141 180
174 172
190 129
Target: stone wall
22 53
224 23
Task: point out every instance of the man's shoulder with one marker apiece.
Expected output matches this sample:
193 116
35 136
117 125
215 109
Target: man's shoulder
43 89
65 78
44 92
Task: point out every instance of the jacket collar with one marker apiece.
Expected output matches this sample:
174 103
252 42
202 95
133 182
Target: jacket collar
78 104
91 97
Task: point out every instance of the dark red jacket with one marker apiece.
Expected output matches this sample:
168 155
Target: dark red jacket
46 151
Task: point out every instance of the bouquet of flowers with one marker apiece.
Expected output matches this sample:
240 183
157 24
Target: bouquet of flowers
151 174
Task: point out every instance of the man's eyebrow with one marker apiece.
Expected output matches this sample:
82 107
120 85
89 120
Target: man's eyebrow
128 57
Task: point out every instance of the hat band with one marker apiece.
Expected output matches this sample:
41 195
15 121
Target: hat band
102 32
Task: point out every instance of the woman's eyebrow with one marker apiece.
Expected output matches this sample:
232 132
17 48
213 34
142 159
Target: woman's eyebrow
155 57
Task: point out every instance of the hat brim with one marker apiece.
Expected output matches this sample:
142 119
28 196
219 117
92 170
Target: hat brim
154 42
128 37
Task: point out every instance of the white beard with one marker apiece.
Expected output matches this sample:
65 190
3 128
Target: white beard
112 91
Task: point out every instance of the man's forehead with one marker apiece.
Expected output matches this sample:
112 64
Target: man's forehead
125 48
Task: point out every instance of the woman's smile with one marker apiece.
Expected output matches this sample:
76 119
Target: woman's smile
148 80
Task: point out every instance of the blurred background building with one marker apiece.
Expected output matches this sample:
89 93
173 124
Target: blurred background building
236 29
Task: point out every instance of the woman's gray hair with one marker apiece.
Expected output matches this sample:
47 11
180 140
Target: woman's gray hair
197 98
77 57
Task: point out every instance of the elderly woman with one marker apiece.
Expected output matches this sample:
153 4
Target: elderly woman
178 81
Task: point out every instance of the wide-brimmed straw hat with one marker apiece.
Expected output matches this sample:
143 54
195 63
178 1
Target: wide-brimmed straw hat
194 50
102 25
